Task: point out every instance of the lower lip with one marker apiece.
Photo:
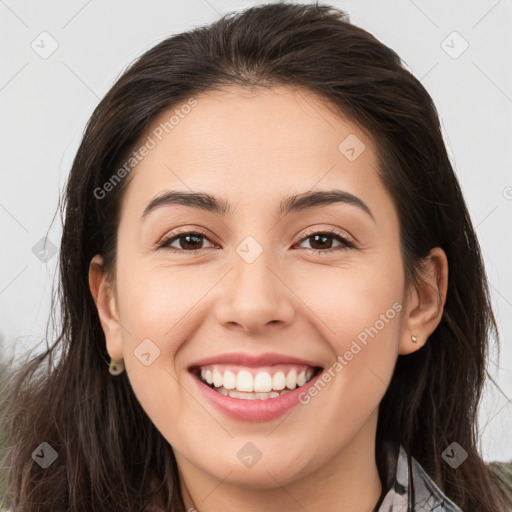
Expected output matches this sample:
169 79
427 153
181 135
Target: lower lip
254 410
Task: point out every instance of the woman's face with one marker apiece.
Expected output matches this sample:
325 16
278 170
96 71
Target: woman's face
251 284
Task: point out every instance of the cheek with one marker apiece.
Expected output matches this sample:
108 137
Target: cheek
156 309
359 313
157 303
352 301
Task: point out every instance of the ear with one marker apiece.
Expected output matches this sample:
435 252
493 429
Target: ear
426 300
102 291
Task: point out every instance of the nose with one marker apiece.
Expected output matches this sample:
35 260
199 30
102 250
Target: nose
255 298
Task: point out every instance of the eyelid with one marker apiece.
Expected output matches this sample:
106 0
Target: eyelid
348 241
182 231
330 231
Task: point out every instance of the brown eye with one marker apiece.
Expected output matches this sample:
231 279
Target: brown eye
188 242
322 241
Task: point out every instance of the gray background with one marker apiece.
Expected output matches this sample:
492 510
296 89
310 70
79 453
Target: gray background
46 101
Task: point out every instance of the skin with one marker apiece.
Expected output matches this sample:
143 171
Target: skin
253 149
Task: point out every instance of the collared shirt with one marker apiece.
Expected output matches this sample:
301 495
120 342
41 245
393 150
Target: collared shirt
413 490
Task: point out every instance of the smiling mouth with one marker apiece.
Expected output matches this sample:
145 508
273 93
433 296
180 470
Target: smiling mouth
248 383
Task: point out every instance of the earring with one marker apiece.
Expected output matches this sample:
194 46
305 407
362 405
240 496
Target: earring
414 339
116 367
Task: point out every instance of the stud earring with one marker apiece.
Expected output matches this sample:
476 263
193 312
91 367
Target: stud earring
116 367
414 339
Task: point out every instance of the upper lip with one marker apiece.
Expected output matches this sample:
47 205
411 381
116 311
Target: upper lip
267 359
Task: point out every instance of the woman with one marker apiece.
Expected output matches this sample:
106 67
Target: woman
266 246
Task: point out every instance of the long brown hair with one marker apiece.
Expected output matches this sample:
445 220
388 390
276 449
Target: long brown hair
110 455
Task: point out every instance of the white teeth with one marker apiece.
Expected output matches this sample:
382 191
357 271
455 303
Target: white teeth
262 383
250 396
229 380
244 381
278 381
291 379
217 378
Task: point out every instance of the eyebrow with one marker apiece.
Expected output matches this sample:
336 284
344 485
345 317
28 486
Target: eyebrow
290 204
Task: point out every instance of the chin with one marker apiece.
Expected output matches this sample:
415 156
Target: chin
271 473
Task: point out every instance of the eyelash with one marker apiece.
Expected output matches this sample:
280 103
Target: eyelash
347 244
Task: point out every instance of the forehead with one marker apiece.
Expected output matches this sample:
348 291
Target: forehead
235 119
252 143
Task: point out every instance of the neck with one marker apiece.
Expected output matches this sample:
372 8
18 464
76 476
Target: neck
349 478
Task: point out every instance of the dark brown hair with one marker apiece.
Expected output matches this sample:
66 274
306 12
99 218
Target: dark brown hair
109 452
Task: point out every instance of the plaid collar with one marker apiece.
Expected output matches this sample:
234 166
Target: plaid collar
414 490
